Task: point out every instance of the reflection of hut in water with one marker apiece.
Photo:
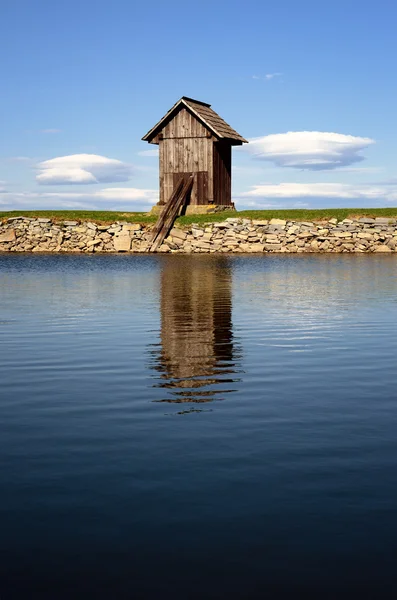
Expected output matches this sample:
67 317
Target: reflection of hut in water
196 328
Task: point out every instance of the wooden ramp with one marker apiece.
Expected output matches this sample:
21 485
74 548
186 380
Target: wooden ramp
170 212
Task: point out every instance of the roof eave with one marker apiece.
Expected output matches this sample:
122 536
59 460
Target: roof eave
235 141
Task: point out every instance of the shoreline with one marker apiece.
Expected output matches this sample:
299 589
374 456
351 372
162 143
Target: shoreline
232 235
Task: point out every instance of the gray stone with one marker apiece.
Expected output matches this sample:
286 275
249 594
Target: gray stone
367 220
93 242
178 234
122 243
278 222
257 247
131 227
383 248
42 220
260 222
70 223
91 226
8 236
272 247
222 225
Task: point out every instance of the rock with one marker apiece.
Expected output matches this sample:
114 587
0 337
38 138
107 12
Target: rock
178 234
260 222
42 220
201 245
122 243
257 247
222 225
272 247
366 220
131 227
277 222
91 226
94 242
8 236
383 248
70 223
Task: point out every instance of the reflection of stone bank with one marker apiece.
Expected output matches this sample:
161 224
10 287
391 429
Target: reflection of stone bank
196 329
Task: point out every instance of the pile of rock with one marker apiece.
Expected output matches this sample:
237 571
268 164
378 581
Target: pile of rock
23 234
277 235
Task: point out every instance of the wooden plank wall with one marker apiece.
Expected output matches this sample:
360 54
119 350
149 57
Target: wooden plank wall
222 173
184 124
186 147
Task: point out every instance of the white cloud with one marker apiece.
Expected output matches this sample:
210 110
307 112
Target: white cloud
50 130
312 150
154 152
141 199
323 190
82 169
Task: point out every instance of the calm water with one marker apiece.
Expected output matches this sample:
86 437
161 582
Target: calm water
198 427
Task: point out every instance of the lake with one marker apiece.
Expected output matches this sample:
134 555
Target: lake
198 426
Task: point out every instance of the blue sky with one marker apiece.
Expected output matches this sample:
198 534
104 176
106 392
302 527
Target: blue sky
313 83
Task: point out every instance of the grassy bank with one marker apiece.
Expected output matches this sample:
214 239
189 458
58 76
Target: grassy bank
140 217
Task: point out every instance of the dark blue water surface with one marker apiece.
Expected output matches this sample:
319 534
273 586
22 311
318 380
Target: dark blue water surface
198 427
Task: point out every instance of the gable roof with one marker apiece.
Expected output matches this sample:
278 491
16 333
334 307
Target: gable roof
204 113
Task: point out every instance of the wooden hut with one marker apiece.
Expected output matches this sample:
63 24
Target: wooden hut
195 144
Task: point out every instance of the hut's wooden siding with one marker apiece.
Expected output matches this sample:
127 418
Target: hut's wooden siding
184 125
186 147
222 173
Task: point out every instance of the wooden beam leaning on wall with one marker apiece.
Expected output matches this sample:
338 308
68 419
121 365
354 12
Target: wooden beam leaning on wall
170 211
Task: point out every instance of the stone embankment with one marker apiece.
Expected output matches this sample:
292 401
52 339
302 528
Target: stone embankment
23 234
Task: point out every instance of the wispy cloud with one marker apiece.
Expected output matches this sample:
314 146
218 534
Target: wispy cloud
20 159
311 150
323 190
110 197
50 130
154 152
82 169
267 77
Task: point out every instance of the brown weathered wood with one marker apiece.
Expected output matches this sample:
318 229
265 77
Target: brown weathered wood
192 138
222 173
170 212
